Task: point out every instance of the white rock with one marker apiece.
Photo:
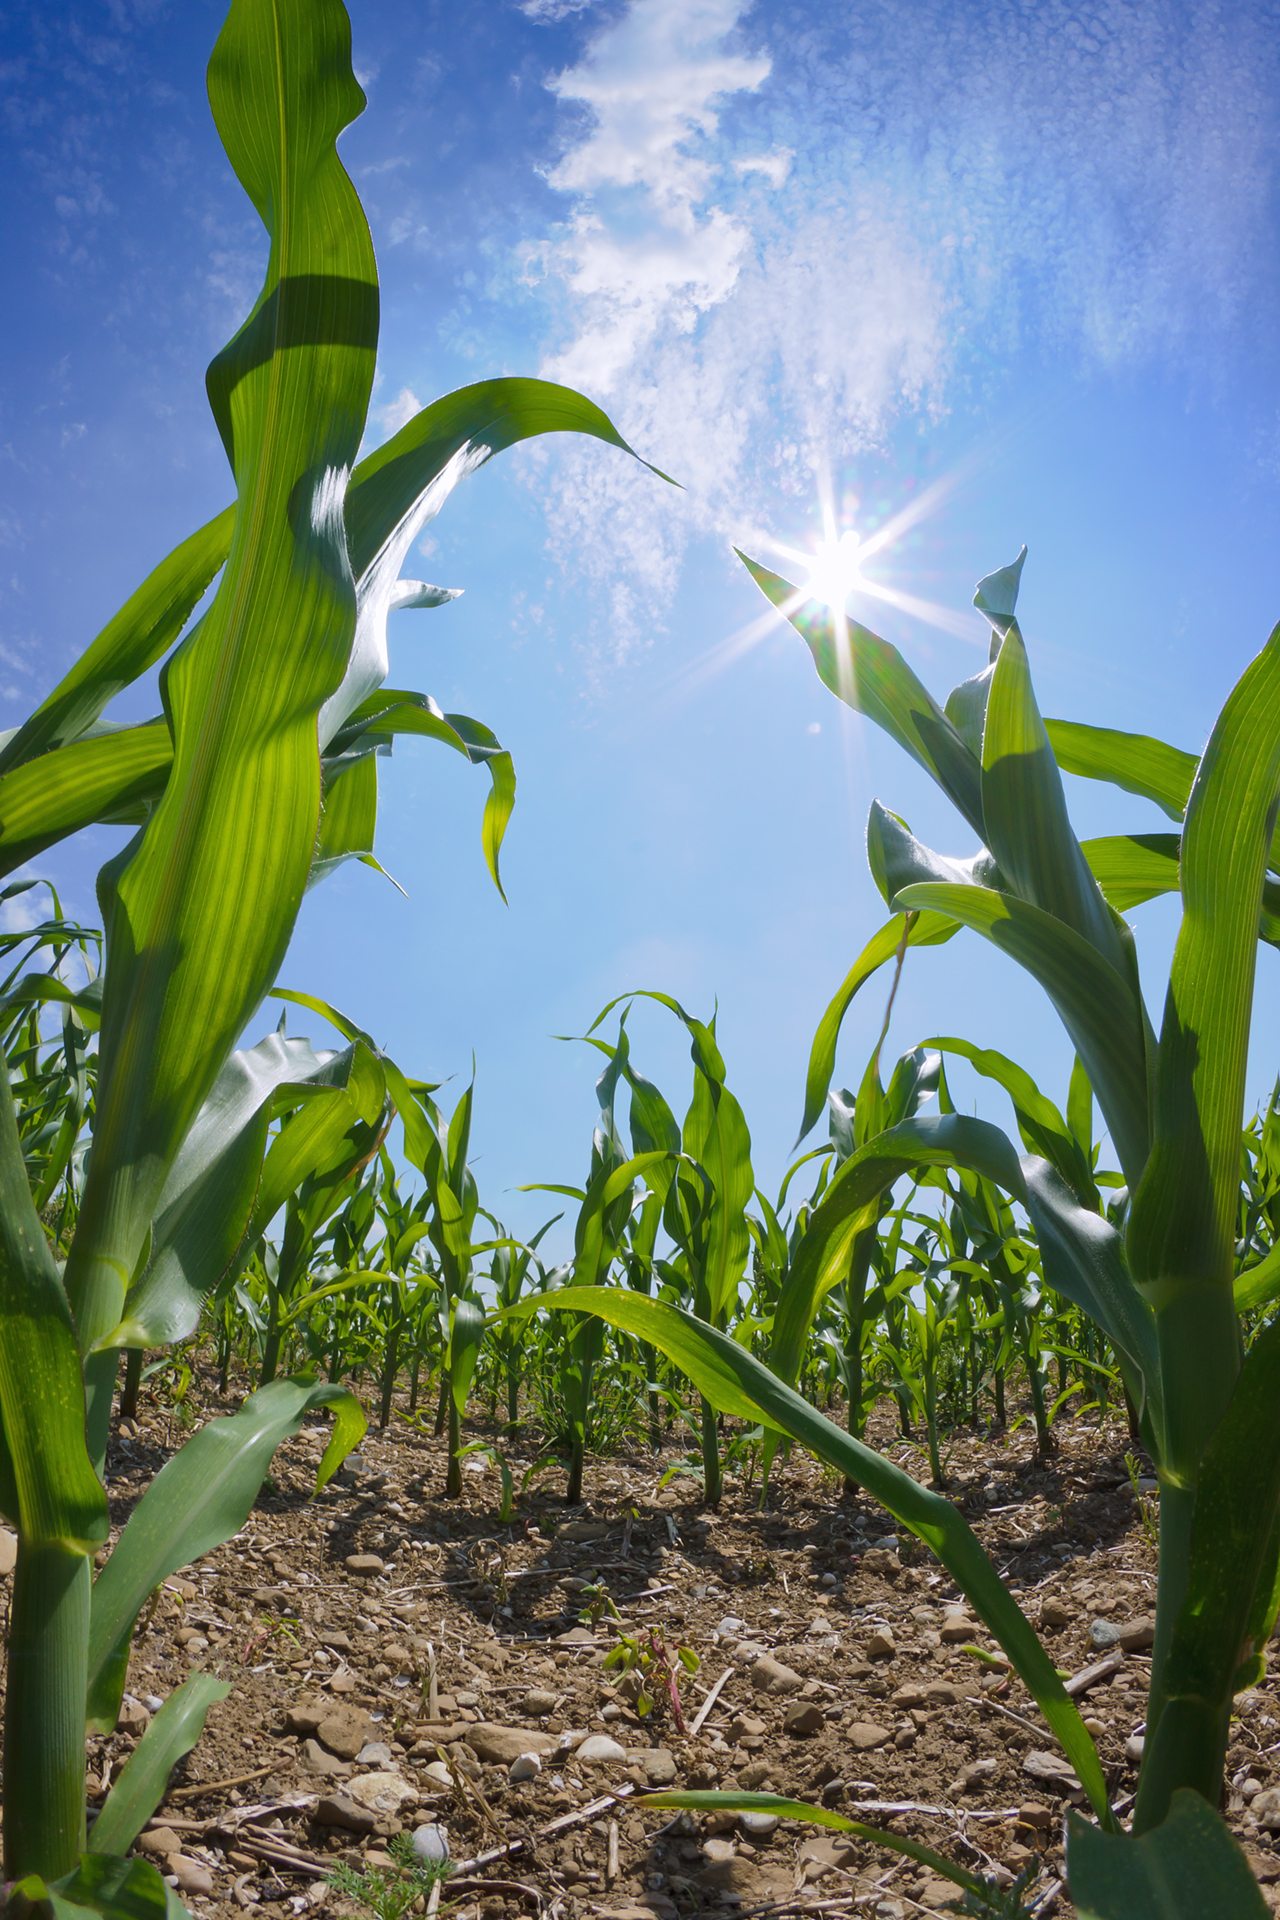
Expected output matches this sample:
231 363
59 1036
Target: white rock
431 1842
601 1748
525 1766
381 1792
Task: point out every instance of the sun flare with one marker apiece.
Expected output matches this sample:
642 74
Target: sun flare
835 570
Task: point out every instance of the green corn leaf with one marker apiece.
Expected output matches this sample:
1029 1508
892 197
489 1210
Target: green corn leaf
734 1381
1025 811
132 641
785 1809
111 775
918 930
198 1500
1082 1253
1182 1218
139 1788
1133 762
240 814
1040 1124
873 678
220 1194
468 1323
1258 1286
103 1887
1186 1869
1095 1002
1134 867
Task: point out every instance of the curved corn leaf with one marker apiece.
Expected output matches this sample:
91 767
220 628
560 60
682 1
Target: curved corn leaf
786 1809
141 633
916 930
198 1500
1094 1001
103 1887
1041 1126
1082 1253
141 1784
872 677
240 813
734 1381
1134 762
112 775
221 1195
1182 1217
1186 1869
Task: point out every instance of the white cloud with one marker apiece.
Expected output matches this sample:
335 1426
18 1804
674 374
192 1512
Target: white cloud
397 413
547 12
767 256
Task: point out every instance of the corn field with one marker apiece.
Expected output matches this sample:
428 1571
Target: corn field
294 1222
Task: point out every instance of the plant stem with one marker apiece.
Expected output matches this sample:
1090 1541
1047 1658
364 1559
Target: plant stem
44 1711
712 1474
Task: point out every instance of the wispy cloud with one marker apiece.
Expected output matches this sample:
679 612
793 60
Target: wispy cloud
771 252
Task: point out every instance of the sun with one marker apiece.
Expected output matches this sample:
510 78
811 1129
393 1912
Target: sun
834 570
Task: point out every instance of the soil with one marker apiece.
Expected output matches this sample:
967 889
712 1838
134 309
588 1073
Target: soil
836 1656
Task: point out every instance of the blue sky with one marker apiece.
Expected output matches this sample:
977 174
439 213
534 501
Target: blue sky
1011 267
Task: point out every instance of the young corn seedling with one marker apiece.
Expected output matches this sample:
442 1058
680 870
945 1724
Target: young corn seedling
1159 1279
257 777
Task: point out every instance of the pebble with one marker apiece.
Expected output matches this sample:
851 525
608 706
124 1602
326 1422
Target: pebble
160 1840
1052 1768
1265 1808
1054 1616
375 1753
431 1842
539 1703
956 1629
803 1719
336 1810
436 1774
881 1645
499 1746
600 1749
525 1766
758 1826
316 1760
8 1551
189 1874
344 1730
1134 1637
657 1764
864 1735
774 1676
385 1791
365 1566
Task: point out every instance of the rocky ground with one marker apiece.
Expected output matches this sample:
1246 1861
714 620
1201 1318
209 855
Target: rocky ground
401 1665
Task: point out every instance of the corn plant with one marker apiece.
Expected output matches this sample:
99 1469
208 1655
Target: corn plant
1160 1279
256 778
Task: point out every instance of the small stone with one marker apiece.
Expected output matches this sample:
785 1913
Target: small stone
803 1719
365 1566
1135 1636
336 1810
499 1746
375 1753
305 1715
753 1775
758 1826
881 1560
133 1717
1053 1615
539 1703
316 1760
657 1764
383 1792
525 1766
160 1840
1134 1747
8 1551
436 1774
431 1842
881 1645
864 1735
1035 1818
773 1676
336 1640
600 1749
1053 1768
189 1874
344 1730
956 1629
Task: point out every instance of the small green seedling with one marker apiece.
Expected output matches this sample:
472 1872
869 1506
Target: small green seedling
389 1892
653 1672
